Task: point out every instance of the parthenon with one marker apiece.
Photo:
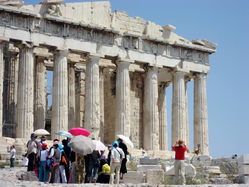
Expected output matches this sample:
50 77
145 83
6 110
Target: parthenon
110 73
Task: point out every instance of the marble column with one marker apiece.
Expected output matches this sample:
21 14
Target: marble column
92 98
186 110
60 94
1 85
71 97
200 114
102 104
178 108
150 113
40 94
123 98
25 97
163 124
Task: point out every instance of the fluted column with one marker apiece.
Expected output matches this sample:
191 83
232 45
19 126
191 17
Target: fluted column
40 94
178 108
92 99
123 98
102 104
163 124
25 97
150 114
1 85
71 96
201 114
60 94
186 109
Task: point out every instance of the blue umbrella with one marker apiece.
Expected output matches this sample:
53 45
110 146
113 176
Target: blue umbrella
64 133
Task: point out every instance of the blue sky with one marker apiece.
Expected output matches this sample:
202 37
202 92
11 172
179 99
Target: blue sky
225 22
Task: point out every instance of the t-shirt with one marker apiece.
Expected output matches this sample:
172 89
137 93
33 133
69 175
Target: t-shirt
43 155
13 153
179 152
116 154
32 146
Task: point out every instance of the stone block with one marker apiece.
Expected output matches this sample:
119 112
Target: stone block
244 170
245 179
200 161
189 170
149 161
144 168
154 176
243 159
134 177
212 169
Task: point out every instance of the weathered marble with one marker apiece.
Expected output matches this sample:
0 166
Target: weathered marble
71 97
25 98
151 116
178 108
123 98
200 114
60 94
92 100
1 85
40 107
163 124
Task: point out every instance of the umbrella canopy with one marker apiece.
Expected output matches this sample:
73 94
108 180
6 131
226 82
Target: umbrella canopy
79 131
64 133
41 132
99 146
126 140
82 145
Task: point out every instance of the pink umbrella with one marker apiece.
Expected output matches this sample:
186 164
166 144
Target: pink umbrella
79 131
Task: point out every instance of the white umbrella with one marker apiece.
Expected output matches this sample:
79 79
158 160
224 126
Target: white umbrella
99 146
82 145
41 132
126 140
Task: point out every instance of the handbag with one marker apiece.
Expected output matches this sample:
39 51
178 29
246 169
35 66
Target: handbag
25 161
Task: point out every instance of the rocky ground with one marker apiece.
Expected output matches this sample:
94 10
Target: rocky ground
19 177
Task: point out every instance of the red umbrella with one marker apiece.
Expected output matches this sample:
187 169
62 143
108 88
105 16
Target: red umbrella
79 131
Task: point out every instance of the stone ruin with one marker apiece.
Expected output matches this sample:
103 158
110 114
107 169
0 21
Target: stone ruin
110 73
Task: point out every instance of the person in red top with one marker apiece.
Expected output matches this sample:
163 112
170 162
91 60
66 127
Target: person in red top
179 149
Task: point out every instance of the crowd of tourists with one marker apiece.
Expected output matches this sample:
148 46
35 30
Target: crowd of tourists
59 164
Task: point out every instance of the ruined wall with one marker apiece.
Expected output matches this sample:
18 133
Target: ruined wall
136 96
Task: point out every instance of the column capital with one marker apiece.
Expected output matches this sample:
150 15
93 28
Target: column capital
148 67
3 39
62 52
200 75
124 60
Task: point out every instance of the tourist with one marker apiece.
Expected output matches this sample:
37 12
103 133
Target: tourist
43 153
56 161
92 167
32 146
109 154
67 151
179 149
104 172
12 152
117 155
144 155
61 177
53 162
123 168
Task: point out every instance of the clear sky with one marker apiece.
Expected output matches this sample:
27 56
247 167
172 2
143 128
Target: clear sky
226 23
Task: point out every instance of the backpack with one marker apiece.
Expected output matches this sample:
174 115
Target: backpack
57 155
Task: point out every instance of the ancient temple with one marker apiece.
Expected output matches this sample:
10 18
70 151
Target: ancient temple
110 73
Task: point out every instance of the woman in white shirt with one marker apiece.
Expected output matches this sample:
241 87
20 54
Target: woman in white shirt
43 153
12 155
117 155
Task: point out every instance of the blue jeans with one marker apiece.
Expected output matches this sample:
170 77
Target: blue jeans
12 161
43 172
92 168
